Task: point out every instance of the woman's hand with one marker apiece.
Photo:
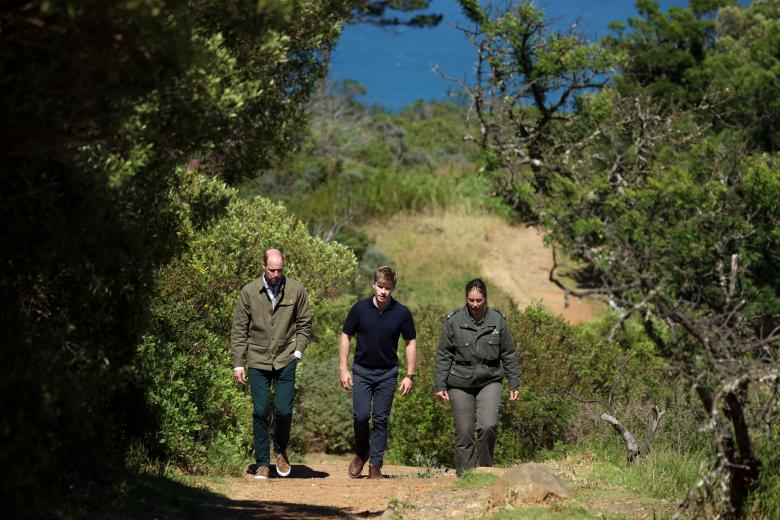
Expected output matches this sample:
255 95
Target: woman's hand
513 395
443 395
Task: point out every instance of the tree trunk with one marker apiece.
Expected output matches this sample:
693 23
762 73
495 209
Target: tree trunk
744 468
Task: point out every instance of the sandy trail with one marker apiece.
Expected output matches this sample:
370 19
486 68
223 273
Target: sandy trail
519 262
322 489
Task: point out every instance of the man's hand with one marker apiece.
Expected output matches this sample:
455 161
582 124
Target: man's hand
443 395
346 378
513 395
239 375
406 386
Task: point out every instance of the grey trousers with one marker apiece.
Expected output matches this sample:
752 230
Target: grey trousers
485 402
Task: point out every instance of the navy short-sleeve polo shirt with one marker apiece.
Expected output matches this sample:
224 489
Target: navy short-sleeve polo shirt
377 332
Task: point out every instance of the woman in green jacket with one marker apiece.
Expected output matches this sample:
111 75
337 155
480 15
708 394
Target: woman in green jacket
475 353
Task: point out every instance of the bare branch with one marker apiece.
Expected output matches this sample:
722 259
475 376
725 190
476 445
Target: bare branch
655 421
632 447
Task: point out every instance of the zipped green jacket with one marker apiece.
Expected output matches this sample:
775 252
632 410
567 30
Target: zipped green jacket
268 337
471 355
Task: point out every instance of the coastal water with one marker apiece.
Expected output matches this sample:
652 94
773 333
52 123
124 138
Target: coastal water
396 64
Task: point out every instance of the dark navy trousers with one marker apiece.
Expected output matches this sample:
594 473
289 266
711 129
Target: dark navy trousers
372 398
283 381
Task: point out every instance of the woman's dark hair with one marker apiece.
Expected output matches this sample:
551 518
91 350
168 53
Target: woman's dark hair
477 284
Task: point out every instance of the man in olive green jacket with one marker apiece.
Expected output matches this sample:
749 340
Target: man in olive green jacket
271 328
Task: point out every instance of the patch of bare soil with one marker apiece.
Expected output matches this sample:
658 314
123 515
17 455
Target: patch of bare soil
323 490
519 263
320 488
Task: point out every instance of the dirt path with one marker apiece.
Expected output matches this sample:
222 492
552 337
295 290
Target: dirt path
519 262
513 257
321 489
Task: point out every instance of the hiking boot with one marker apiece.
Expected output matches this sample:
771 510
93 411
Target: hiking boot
256 472
375 471
356 467
282 465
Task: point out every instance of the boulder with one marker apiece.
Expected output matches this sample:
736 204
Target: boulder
528 483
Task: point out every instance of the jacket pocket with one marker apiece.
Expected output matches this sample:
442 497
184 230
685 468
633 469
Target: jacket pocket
462 353
460 375
259 349
492 348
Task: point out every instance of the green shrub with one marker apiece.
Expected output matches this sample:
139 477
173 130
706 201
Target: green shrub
322 419
420 424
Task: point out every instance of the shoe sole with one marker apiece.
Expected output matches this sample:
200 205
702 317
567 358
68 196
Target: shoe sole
283 474
260 477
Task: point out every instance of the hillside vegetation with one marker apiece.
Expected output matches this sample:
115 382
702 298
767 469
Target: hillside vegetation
151 151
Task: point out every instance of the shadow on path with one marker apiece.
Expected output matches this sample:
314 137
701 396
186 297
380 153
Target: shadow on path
303 471
133 496
223 509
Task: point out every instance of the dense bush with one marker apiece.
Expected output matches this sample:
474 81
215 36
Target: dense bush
323 410
201 415
559 365
420 425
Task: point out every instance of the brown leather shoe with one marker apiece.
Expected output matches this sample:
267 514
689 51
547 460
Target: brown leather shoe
282 465
375 471
356 467
261 473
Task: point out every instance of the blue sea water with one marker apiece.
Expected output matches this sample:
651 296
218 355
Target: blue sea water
395 64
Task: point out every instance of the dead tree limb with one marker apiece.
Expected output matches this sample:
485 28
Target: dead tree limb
655 420
632 447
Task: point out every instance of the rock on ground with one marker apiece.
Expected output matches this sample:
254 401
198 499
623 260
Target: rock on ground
528 483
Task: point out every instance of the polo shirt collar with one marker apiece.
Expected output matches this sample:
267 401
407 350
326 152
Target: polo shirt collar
389 304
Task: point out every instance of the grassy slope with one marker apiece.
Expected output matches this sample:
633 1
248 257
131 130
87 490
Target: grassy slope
436 254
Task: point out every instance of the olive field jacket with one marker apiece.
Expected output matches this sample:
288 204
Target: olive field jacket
472 355
269 337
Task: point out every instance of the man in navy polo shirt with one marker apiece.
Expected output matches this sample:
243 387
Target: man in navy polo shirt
377 322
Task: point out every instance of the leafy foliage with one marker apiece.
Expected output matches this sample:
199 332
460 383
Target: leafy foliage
375 12
104 104
663 210
718 51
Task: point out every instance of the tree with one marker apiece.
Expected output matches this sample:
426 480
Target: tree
104 103
676 226
663 51
528 77
716 51
374 12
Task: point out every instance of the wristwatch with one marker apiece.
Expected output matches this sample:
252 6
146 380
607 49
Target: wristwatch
410 376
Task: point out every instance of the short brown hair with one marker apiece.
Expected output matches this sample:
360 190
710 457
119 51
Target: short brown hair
386 275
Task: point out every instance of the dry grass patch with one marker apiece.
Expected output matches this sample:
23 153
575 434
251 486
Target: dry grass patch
437 253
